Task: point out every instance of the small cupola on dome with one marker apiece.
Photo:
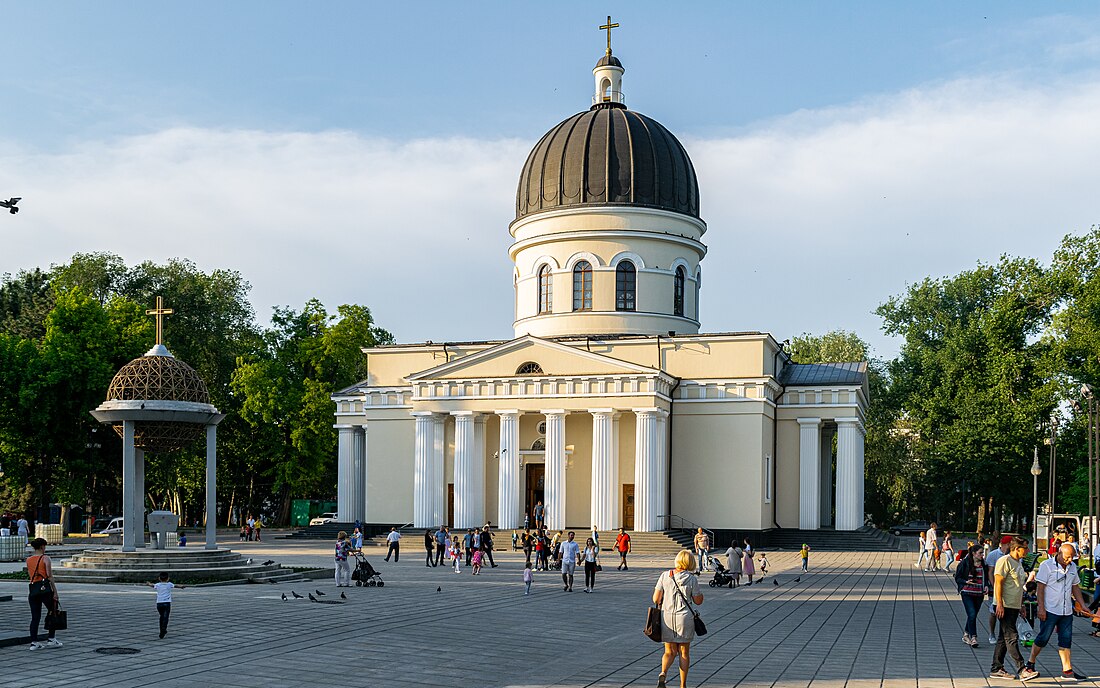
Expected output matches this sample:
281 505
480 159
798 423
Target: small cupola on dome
608 73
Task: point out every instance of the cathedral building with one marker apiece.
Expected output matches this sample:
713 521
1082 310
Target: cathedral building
609 405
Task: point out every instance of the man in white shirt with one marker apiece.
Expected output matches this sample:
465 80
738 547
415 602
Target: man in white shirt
568 554
931 543
1058 589
990 563
394 540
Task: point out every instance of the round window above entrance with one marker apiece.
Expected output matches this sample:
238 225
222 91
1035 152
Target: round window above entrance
542 427
530 368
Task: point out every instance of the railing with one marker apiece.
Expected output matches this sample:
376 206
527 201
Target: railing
609 97
671 521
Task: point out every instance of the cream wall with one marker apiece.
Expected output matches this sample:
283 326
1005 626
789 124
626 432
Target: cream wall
390 469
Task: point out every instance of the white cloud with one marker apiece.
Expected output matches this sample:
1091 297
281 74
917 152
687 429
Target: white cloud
814 218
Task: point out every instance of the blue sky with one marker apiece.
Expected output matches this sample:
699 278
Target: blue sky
341 150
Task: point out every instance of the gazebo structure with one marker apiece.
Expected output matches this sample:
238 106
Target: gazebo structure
159 403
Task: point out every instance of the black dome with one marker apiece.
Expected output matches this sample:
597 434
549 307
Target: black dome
608 155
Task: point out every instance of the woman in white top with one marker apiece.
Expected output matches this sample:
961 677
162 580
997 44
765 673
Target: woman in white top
677 624
591 560
733 562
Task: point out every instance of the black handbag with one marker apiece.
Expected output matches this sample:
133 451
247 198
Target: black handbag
57 620
700 627
39 588
652 628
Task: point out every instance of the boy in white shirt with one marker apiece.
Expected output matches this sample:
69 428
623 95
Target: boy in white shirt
164 600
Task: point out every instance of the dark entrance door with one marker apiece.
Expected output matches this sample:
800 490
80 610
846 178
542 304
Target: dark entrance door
536 475
628 507
451 504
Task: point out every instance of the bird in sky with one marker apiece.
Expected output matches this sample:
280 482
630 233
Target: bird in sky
10 205
296 595
319 593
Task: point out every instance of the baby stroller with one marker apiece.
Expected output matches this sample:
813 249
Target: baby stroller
365 574
722 576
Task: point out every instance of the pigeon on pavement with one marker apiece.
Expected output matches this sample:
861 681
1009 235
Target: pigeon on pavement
311 597
248 561
296 595
439 589
798 580
775 582
321 594
343 596
284 597
269 562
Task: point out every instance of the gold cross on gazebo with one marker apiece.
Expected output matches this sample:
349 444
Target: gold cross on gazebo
608 26
160 311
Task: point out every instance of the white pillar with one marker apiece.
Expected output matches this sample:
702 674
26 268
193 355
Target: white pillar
139 498
355 477
809 473
555 469
477 484
464 469
364 472
603 475
128 468
439 464
660 481
508 481
423 448
826 499
616 486
849 474
645 469
211 486
344 489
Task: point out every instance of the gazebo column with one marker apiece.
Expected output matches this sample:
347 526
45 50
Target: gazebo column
139 498
424 446
849 474
128 476
809 473
344 489
356 475
211 486
555 469
364 471
508 479
604 465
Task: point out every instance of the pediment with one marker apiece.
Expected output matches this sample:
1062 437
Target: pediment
555 359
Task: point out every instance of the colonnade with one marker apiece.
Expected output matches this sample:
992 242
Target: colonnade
814 470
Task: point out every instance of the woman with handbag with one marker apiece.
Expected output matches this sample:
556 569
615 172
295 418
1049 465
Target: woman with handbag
42 592
674 593
591 564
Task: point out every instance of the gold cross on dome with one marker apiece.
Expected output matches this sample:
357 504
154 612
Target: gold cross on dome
608 26
160 311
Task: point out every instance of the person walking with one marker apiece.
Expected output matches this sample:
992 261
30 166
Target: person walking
527 578
542 544
804 553
22 527
487 545
948 551
343 569
702 547
164 588
429 545
972 583
671 594
932 545
468 544
747 564
393 544
527 543
1058 588
1008 593
441 540
733 562
257 526
990 560
568 555
591 556
540 516
923 549
622 546
43 593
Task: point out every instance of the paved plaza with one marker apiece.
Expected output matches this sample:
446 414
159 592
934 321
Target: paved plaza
857 619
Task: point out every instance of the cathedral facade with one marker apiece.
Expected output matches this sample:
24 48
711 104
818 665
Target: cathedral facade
608 406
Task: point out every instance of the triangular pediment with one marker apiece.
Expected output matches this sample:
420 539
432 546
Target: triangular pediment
504 360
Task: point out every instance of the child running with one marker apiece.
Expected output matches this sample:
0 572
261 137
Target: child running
763 565
805 553
527 579
477 562
164 600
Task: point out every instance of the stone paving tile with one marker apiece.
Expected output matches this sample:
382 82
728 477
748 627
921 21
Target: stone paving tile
855 621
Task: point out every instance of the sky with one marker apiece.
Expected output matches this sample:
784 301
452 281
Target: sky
367 153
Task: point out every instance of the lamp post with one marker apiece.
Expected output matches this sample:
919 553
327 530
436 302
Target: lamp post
1090 409
1036 469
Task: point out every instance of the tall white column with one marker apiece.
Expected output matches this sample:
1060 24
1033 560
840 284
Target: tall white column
464 469
849 474
211 486
344 490
139 498
604 479
826 474
477 485
364 471
439 463
508 481
616 486
129 521
555 469
423 449
645 470
809 473
660 493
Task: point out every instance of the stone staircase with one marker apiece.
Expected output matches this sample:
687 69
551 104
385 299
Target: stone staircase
219 565
866 539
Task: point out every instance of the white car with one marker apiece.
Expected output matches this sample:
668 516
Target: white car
321 520
115 526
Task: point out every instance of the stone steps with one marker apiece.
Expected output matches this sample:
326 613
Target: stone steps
866 539
100 566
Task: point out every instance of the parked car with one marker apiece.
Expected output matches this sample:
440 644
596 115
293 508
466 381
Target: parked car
329 517
910 528
115 526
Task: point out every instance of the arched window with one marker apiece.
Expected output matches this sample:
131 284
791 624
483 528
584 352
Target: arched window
582 286
538 445
678 291
626 286
530 368
546 290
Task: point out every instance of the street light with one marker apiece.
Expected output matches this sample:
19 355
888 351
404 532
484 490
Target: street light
1036 470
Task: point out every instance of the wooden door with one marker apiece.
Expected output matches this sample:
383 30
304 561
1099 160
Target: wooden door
628 506
451 504
535 492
